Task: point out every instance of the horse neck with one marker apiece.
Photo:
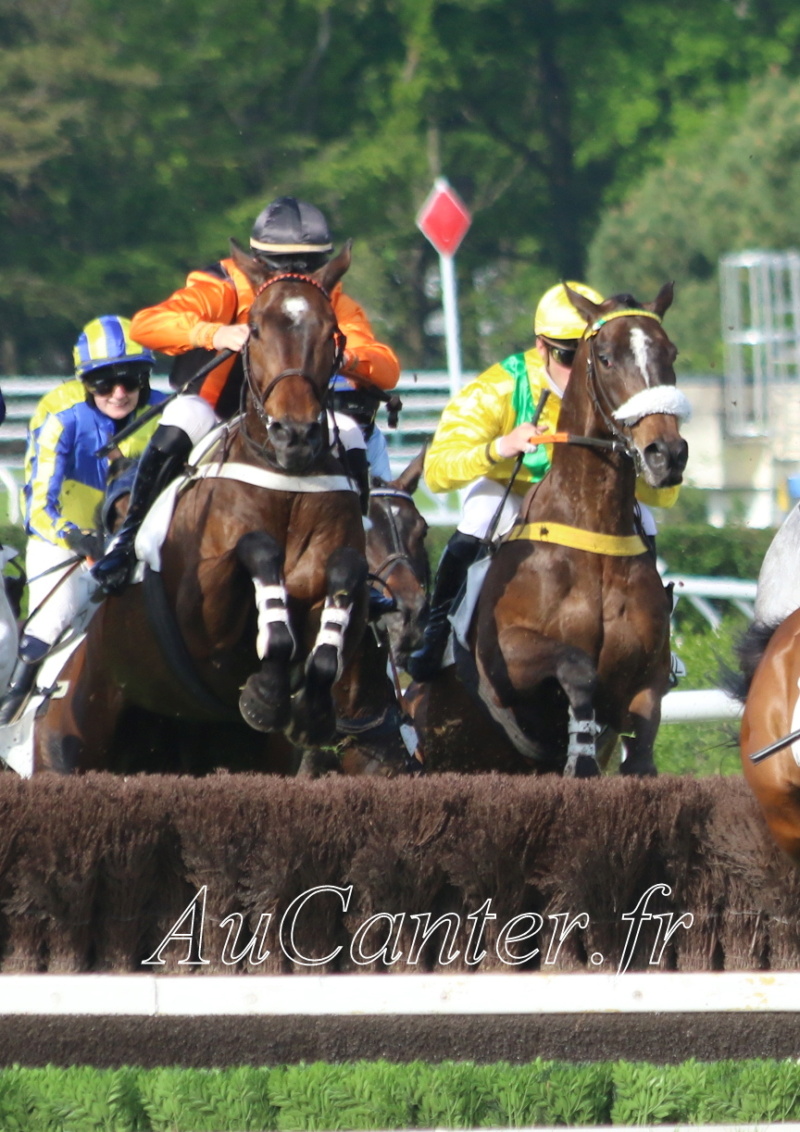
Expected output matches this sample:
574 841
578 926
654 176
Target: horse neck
594 487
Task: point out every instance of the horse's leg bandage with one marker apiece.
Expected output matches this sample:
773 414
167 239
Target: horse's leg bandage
582 744
271 603
332 629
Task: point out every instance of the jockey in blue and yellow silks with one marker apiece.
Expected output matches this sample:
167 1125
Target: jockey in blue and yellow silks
65 481
481 433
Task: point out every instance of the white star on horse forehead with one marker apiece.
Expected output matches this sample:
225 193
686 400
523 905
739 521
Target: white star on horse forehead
640 345
294 307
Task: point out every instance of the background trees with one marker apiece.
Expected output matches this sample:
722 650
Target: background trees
136 139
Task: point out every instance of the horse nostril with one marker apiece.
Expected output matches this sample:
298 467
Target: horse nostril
314 434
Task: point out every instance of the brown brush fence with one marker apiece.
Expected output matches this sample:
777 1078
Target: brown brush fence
95 872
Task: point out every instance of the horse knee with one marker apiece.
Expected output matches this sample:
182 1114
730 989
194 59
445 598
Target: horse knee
262 556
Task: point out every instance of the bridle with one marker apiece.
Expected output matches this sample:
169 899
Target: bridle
622 439
398 554
259 398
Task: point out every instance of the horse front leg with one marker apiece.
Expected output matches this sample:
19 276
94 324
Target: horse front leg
643 724
531 664
265 699
342 622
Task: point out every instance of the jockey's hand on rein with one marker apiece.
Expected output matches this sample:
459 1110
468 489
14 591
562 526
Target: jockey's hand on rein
516 441
87 544
231 337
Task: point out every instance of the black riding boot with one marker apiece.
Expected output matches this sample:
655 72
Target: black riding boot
160 463
459 554
30 654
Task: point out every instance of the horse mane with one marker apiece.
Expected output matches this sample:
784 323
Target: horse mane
749 650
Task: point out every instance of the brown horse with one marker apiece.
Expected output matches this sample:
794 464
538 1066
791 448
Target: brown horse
770 662
260 603
569 644
397 557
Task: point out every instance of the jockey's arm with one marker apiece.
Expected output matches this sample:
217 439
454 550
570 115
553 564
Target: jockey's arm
52 443
190 317
366 360
465 445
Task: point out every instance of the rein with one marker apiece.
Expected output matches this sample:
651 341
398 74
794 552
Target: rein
398 553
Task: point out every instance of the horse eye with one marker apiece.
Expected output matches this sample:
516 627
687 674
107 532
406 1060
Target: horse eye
605 360
255 332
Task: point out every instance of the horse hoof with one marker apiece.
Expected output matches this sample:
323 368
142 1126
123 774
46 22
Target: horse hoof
262 713
641 768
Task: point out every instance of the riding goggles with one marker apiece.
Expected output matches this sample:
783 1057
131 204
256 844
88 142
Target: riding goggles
107 379
564 355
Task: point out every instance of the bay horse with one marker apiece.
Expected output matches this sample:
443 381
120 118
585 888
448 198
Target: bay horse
398 559
769 657
259 607
568 647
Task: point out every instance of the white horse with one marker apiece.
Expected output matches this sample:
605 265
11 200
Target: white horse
9 633
778 591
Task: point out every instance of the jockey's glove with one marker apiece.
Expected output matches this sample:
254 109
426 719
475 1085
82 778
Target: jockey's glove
87 544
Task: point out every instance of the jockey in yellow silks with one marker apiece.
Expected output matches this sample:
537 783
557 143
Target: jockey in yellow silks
480 434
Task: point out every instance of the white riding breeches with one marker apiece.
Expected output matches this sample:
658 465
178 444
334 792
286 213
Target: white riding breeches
191 413
49 616
378 456
480 506
483 499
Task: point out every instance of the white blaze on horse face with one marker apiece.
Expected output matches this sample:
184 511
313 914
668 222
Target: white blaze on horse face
295 307
640 345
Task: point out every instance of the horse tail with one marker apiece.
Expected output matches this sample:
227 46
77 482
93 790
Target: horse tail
749 650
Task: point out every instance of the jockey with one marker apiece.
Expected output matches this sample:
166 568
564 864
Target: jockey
480 434
210 313
65 481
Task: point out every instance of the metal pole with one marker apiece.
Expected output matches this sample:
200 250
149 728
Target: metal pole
450 306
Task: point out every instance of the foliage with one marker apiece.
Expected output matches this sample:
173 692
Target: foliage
123 165
381 1095
735 173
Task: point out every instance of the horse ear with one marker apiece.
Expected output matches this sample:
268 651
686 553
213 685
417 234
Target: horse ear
409 478
255 271
663 300
329 275
585 307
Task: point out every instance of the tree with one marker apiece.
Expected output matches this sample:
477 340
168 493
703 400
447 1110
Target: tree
732 185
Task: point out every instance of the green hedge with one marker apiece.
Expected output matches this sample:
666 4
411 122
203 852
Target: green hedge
381 1095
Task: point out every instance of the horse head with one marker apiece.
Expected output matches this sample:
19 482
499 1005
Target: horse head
295 346
398 557
629 361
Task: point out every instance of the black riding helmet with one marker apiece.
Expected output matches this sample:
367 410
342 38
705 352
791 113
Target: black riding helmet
291 235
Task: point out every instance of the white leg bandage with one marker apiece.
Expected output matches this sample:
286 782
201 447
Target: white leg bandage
272 607
332 629
582 741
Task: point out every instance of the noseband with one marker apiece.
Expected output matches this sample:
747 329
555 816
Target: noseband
607 412
259 398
